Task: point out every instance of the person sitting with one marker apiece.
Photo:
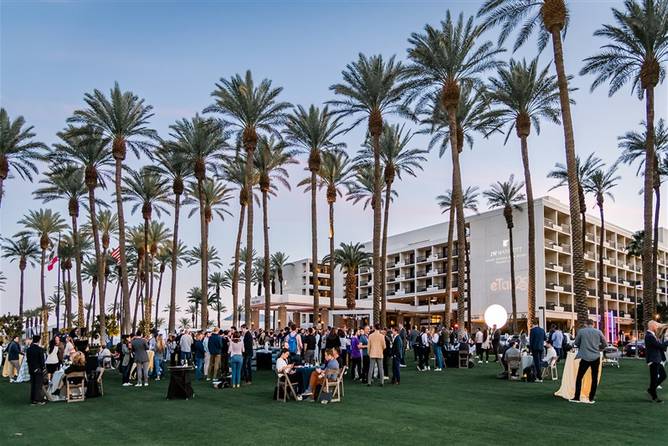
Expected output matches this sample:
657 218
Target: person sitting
104 356
78 364
287 370
550 355
320 375
512 359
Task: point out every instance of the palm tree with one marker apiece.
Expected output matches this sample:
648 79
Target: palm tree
147 190
524 95
450 58
336 171
25 252
184 323
17 149
196 298
445 202
54 303
361 189
122 118
194 256
163 257
173 165
599 183
66 252
638 45
372 88
314 130
396 159
3 281
507 195
271 160
350 257
249 108
217 281
179 253
42 224
278 262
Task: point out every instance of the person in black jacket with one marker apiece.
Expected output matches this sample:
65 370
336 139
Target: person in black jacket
35 358
397 352
246 371
655 355
13 352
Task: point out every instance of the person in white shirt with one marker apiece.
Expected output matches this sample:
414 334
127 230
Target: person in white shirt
288 370
550 354
438 352
479 338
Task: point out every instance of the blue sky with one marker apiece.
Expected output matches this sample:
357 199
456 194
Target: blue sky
172 53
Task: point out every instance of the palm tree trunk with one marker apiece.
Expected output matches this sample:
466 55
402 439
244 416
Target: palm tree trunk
99 258
157 297
265 275
579 282
175 245
91 302
235 273
45 312
315 266
125 292
137 298
68 303
531 289
601 300
248 267
118 287
332 264
655 244
21 288
513 292
383 254
204 252
447 317
378 279
146 315
648 277
77 250
219 304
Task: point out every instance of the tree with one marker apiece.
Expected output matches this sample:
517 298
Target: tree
523 95
599 183
25 252
351 257
336 172
195 297
278 263
372 88
194 256
217 281
314 130
148 191
54 303
271 160
173 165
159 238
66 252
445 202
249 108
507 195
18 150
43 225
122 119
361 189
396 158
448 59
638 45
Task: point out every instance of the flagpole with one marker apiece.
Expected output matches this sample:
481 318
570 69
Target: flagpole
58 274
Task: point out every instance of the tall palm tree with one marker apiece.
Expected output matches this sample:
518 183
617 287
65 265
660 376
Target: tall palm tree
445 202
636 49
351 257
202 142
396 158
449 59
163 257
271 160
66 252
507 195
217 281
148 191
196 298
54 303
599 183
523 95
173 165
179 253
314 130
43 225
25 252
194 256
18 151
337 171
550 18
87 149
249 108
123 119
360 190
372 88
158 239
278 262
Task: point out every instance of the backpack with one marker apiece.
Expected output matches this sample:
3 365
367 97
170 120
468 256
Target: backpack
441 340
292 343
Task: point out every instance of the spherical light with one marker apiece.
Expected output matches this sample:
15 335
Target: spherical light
496 315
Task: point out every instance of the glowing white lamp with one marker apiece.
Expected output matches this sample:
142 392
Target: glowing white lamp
496 315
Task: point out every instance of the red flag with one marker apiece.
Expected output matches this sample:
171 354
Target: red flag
52 263
116 254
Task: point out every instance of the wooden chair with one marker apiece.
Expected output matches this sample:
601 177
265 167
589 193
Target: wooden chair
283 384
463 359
75 387
514 369
551 370
335 387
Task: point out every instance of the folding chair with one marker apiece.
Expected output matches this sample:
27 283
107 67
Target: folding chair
514 366
463 359
284 384
335 387
75 387
551 370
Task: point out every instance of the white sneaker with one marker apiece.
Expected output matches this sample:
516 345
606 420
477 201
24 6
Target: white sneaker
127 384
479 362
138 385
12 380
659 387
438 370
402 366
145 384
157 379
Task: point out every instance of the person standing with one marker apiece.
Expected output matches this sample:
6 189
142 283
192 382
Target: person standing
557 340
479 338
403 335
590 342
309 346
364 348
655 355
140 348
246 371
13 352
224 353
236 358
215 345
438 350
52 359
397 355
496 341
198 355
413 339
35 360
185 344
355 357
126 360
376 347
537 338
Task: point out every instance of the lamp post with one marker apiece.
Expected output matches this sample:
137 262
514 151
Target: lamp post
635 298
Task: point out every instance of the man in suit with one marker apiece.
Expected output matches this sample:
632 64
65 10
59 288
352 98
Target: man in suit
215 348
655 355
397 353
376 347
537 338
246 371
35 358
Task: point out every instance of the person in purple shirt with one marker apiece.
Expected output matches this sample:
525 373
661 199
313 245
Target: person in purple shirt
355 356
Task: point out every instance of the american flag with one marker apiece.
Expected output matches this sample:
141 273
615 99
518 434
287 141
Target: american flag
116 254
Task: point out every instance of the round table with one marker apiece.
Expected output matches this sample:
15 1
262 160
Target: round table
570 373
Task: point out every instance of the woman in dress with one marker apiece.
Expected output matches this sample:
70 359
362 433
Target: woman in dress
52 359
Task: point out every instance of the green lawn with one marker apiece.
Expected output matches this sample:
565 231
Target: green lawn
469 406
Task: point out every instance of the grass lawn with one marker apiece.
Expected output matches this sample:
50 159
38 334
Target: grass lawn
468 406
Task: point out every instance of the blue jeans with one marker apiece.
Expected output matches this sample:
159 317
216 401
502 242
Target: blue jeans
236 361
157 366
185 356
438 354
199 368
